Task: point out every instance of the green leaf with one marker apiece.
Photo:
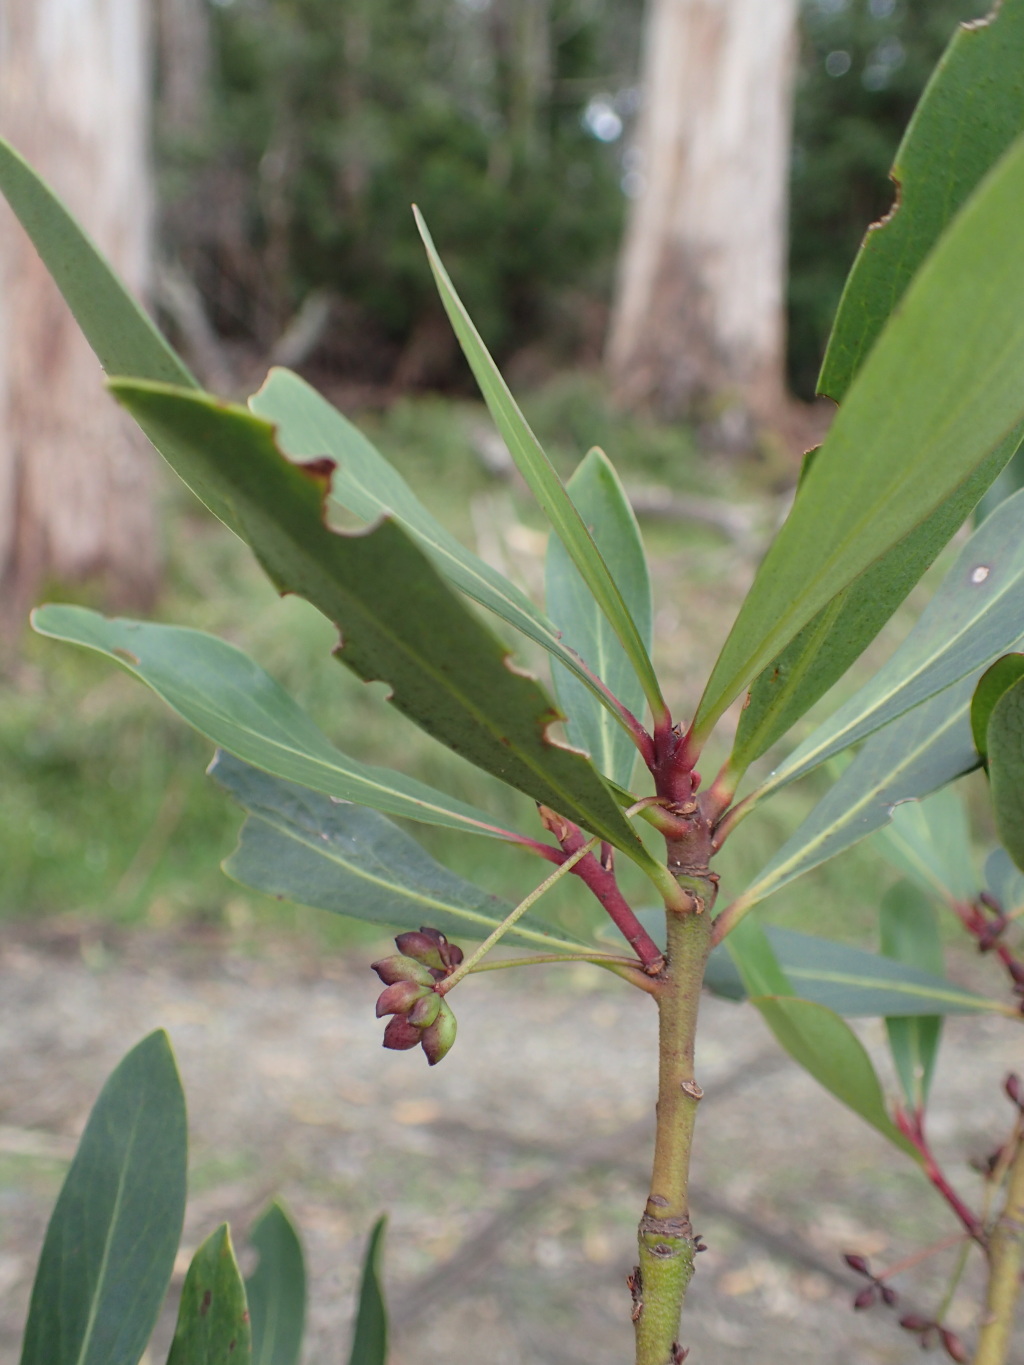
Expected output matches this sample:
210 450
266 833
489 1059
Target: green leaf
974 616
299 845
827 646
602 503
231 700
213 1317
400 622
938 393
911 757
1006 769
815 1037
543 481
367 485
276 1290
910 935
969 114
991 686
370 1339
1005 881
850 981
113 1235
930 842
115 326
827 1048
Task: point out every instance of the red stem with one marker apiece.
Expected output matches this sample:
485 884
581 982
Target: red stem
913 1128
601 881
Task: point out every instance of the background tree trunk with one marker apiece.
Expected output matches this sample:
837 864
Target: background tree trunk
699 308
76 482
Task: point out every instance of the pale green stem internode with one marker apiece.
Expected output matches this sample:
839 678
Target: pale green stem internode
506 924
666 1241
1006 1263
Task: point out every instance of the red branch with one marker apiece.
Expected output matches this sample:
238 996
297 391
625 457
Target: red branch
913 1128
600 878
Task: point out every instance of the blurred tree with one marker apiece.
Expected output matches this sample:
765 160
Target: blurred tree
698 315
76 500
331 116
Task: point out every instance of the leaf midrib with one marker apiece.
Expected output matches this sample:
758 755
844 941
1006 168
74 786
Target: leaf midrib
90 1326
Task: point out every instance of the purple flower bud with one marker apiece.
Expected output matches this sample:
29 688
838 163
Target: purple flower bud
889 1296
857 1263
913 1322
400 1035
425 1010
398 968
418 944
1014 1090
399 998
439 1037
955 1348
866 1297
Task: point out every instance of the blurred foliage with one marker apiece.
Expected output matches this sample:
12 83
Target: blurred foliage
863 65
329 117
508 122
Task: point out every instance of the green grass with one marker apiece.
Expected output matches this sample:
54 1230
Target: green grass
105 810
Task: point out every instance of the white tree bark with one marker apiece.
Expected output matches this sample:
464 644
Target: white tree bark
699 311
76 484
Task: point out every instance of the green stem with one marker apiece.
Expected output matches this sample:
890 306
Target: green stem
1006 1261
506 924
626 967
665 1238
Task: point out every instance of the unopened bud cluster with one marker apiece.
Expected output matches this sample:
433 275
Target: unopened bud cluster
931 1333
420 1016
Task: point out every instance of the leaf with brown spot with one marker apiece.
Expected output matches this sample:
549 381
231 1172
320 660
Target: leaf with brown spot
213 1316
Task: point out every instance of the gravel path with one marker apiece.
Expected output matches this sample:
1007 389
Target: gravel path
514 1172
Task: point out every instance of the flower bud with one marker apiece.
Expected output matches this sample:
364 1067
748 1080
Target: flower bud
913 1322
889 1296
866 1297
1014 1090
955 1348
425 1010
399 968
857 1263
400 1035
439 1037
400 997
419 944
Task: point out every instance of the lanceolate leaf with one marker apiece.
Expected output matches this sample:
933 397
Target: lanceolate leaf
969 114
213 1318
113 1236
399 620
1006 769
977 614
910 935
911 757
370 1335
542 479
940 390
299 845
276 1290
930 842
117 329
841 631
850 981
831 1052
367 485
991 686
603 505
231 700
815 1037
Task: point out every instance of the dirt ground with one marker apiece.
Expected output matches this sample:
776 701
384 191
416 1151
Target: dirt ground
513 1173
